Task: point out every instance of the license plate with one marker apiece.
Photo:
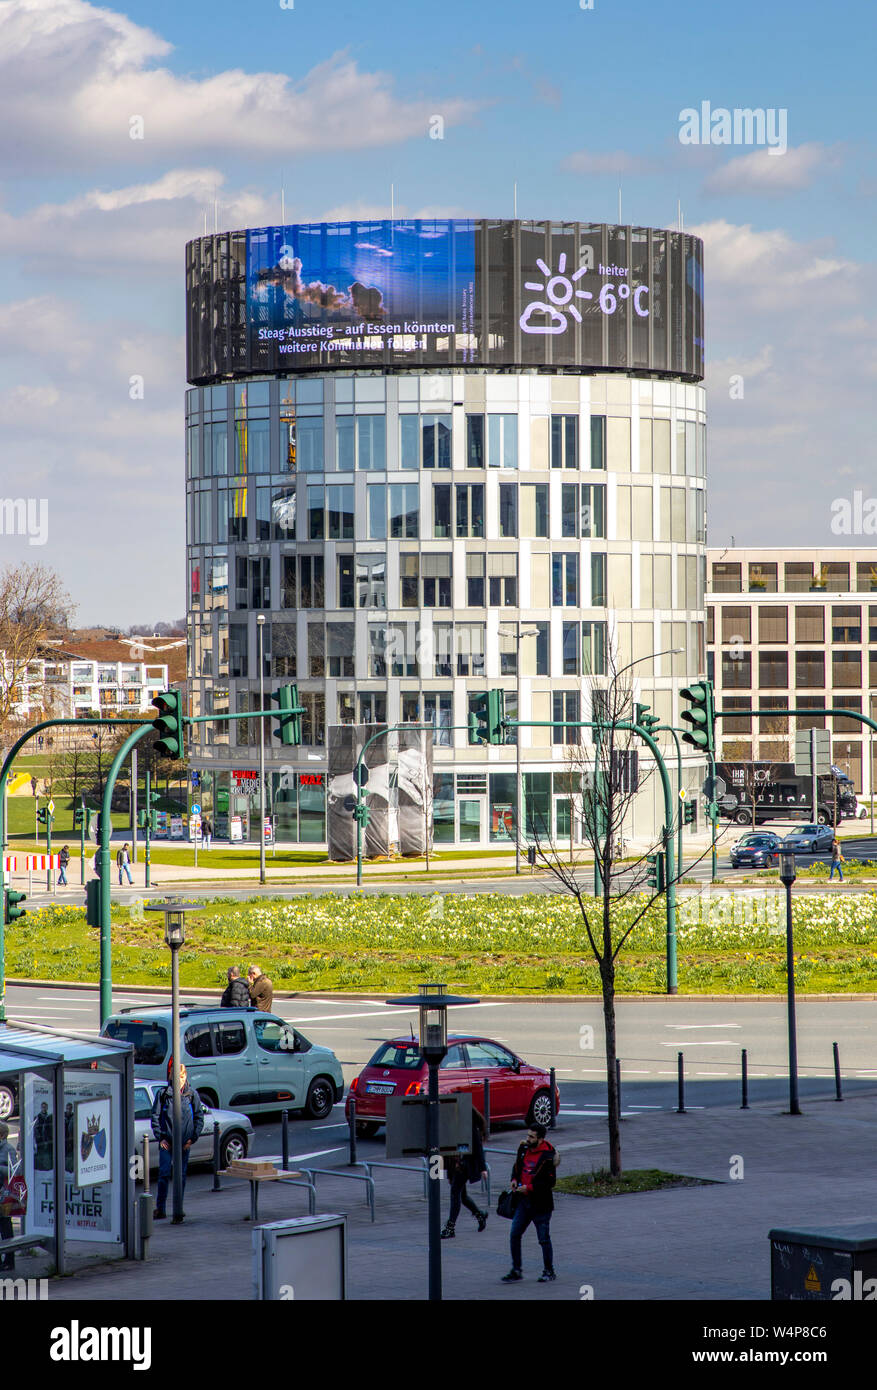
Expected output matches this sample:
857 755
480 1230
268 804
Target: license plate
375 1090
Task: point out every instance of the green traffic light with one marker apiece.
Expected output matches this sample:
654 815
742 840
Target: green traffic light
11 910
169 724
701 716
289 719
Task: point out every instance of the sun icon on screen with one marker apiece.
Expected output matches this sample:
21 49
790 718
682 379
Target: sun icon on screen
560 291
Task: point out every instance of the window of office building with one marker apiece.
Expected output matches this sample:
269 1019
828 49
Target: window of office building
727 578
316 649
809 623
372 707
502 576
835 576
534 510
502 441
773 723
475 566
565 580
469 499
598 441
809 669
564 441
425 441
508 510
839 723
763 576
866 576
736 624
773 670
409 579
469 640
736 723
807 721
598 580
502 807
339 513
535 658
311 590
846 623
283 644
474 441
340 649
846 669
798 576
566 706
737 670
405 511
345 581
437 573
773 624
438 710
594 648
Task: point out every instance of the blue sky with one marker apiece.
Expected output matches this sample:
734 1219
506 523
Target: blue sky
335 100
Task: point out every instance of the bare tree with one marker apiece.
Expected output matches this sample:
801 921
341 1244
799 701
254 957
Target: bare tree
33 606
603 782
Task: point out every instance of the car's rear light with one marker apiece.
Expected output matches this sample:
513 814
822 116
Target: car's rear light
414 1088
354 1083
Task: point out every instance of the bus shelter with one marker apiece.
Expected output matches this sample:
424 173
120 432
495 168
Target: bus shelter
74 1135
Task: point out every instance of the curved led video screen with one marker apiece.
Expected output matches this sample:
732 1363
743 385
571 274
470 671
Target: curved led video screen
444 293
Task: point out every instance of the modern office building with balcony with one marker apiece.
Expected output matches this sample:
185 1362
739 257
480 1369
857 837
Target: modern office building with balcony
794 628
440 457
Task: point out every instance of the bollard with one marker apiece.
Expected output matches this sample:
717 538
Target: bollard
486 1108
552 1100
146 1163
351 1125
680 1067
618 1083
284 1163
838 1092
144 1214
744 1081
216 1159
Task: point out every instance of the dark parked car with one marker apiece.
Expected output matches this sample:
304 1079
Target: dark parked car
810 839
756 851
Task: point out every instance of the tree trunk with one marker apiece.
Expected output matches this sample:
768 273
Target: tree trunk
607 976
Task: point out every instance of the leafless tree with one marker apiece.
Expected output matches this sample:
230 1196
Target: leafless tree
602 786
33 606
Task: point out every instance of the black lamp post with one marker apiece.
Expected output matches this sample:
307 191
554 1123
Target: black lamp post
788 876
175 936
433 1001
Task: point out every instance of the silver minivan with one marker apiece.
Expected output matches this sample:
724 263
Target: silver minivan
237 1059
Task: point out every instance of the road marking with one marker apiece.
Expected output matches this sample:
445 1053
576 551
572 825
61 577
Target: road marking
713 1073
704 1042
342 1124
682 1026
297 1158
306 1019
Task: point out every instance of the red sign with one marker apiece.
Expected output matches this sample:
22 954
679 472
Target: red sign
311 779
246 774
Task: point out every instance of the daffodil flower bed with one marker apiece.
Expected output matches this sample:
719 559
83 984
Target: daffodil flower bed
496 943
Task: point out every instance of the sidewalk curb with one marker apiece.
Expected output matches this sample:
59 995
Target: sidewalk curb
352 997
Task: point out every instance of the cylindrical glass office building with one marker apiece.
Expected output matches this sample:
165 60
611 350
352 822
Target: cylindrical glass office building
440 457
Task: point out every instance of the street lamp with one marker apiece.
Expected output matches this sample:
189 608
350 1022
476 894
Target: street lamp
432 1002
528 632
788 876
260 622
175 935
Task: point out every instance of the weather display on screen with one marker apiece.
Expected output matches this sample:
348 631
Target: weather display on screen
330 292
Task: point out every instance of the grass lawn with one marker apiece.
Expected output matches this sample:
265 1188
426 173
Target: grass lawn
492 943
600 1183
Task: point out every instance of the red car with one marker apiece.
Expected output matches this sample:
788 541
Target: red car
517 1090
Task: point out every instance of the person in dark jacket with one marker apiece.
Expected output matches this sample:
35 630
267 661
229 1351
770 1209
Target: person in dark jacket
469 1167
235 995
63 861
8 1165
533 1176
192 1121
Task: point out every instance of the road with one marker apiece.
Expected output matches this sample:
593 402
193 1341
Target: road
710 1033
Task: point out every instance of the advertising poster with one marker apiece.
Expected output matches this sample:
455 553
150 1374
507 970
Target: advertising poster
91 1142
503 826
340 825
236 827
176 827
414 790
92 1115
332 293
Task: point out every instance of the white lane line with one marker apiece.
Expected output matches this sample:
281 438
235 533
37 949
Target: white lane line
703 1042
307 1019
684 1026
712 1073
297 1158
646 1107
341 1125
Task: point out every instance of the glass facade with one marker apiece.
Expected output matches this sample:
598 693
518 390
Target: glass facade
417 537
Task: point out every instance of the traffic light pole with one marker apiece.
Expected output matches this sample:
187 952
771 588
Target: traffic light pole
669 729
148 825
106 830
82 840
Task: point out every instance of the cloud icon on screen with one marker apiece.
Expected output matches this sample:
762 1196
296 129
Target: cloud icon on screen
558 322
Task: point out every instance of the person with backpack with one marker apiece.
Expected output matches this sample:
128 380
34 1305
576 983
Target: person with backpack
533 1177
123 863
63 861
836 860
469 1167
206 831
192 1122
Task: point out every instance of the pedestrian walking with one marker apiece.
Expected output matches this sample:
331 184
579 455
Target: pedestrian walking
123 863
206 831
469 1167
236 994
33 785
261 989
836 860
63 861
192 1122
533 1177
40 742
8 1166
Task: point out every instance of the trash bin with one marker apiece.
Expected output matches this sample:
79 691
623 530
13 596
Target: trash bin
825 1263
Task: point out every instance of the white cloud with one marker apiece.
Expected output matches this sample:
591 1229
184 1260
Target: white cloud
766 173
73 76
